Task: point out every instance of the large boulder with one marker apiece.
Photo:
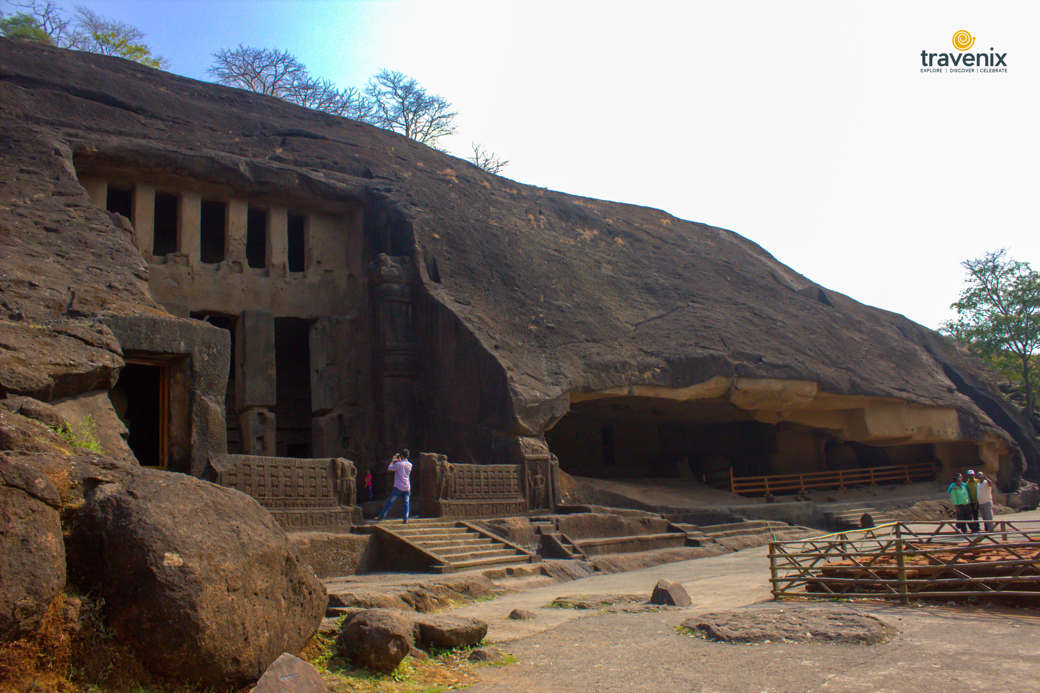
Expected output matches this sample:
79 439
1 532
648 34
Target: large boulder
198 578
377 639
32 553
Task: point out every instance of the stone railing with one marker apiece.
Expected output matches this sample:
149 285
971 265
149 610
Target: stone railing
302 494
448 489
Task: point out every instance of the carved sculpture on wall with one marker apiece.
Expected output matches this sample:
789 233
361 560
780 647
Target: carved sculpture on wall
345 481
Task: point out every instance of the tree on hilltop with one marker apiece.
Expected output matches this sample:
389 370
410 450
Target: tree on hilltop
402 105
43 21
279 73
998 317
488 161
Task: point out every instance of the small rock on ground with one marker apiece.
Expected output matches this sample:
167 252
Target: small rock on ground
289 674
670 593
522 615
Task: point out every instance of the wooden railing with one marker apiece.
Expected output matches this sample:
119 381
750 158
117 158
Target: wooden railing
842 478
915 560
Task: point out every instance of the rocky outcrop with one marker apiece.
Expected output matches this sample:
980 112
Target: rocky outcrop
32 553
524 298
198 578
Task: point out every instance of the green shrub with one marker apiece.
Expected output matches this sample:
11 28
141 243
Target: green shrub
82 436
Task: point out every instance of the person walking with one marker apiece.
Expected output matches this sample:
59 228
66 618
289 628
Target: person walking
972 485
985 496
958 493
402 469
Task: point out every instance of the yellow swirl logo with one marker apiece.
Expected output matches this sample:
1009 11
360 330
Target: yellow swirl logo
963 40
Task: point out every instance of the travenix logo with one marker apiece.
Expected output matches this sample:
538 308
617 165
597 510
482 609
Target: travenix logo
962 61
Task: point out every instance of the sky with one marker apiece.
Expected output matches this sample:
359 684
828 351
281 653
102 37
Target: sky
807 127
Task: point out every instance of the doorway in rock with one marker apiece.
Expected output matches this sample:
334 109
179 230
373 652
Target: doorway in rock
706 440
293 386
141 399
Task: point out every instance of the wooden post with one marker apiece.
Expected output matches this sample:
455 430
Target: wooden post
901 564
772 569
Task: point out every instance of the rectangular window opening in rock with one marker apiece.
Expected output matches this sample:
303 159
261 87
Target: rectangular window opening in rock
213 231
292 386
120 201
141 399
165 224
297 242
256 238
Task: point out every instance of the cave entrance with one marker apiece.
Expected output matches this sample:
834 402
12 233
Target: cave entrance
141 399
704 440
293 386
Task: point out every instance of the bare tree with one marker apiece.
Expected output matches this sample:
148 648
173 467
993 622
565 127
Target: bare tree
279 73
400 104
322 95
266 71
486 160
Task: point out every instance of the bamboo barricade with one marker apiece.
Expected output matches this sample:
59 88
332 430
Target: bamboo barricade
916 560
842 478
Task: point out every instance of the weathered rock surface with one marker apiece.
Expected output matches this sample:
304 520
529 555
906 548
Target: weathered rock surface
198 578
595 601
670 593
792 624
290 674
32 552
532 294
377 639
448 632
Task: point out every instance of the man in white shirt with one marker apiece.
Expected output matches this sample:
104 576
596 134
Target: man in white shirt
402 469
984 491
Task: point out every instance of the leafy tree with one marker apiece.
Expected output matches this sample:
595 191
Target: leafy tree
998 317
486 160
24 27
42 20
278 73
400 104
95 34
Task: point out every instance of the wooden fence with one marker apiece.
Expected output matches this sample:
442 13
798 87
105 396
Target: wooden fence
842 478
911 560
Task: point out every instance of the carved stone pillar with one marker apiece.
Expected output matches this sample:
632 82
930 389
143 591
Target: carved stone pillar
538 471
394 348
255 384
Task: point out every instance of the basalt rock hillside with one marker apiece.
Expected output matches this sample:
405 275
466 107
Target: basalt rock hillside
529 303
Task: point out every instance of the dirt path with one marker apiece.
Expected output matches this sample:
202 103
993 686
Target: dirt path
937 648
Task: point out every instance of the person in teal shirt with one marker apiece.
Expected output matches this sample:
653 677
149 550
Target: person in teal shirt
958 492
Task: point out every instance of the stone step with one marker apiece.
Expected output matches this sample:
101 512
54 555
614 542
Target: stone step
481 562
438 544
452 556
748 524
432 536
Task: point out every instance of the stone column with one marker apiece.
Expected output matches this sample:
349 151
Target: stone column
97 191
144 218
189 227
395 348
255 384
238 220
278 241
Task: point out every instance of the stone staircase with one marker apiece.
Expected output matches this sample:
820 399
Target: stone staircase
742 535
451 545
840 517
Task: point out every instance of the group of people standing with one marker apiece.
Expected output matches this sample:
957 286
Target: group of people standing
972 499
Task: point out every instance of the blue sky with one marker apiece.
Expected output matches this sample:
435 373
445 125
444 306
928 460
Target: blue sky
805 125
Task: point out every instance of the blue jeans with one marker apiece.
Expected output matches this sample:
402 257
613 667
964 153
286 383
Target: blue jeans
394 495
